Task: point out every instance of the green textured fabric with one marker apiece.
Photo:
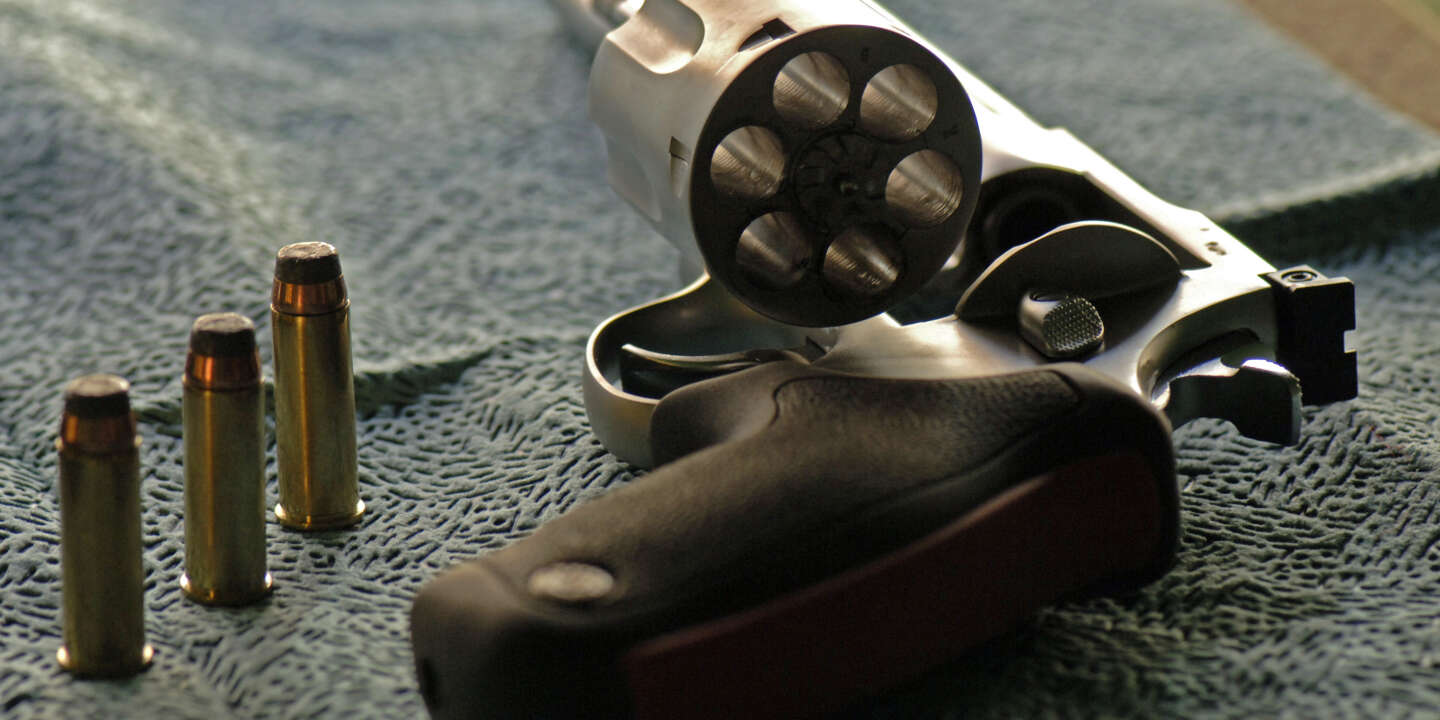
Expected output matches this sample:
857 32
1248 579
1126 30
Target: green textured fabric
154 155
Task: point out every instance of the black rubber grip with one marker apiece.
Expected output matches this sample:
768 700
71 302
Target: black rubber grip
817 536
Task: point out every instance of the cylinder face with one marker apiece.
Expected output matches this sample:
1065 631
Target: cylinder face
103 622
868 132
315 420
225 496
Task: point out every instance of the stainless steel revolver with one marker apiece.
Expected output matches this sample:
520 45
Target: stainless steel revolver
922 384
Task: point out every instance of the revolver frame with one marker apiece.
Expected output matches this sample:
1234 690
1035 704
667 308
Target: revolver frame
1215 331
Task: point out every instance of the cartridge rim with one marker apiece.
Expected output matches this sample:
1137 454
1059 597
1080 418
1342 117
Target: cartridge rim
147 656
320 522
225 598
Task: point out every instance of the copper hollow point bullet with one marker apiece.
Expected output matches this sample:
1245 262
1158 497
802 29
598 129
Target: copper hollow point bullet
314 390
224 410
102 578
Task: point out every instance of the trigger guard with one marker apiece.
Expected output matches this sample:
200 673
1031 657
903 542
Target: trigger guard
700 319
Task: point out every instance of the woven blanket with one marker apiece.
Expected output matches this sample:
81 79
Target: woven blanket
154 154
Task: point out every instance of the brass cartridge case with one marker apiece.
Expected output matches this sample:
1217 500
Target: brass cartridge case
224 411
314 390
102 576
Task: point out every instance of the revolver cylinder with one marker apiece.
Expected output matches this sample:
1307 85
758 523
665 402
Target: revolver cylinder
818 159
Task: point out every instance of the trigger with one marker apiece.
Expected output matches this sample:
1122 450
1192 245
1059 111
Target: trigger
654 374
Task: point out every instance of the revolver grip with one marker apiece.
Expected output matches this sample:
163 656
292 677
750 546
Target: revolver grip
817 536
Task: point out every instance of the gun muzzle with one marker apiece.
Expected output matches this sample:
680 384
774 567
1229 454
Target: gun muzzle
102 578
820 160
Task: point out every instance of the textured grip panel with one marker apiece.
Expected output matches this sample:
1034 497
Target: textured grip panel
789 475
963 420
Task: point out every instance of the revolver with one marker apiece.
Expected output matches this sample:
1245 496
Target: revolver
922 384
